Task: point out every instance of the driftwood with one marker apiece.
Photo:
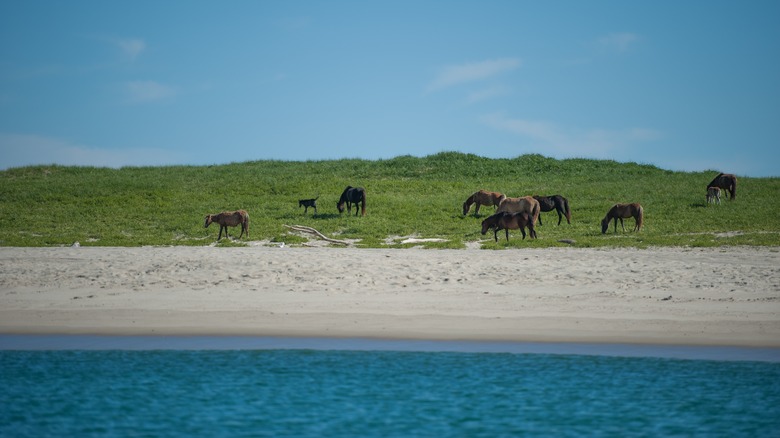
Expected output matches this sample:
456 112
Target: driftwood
311 230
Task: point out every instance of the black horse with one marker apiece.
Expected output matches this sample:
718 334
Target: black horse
352 195
557 203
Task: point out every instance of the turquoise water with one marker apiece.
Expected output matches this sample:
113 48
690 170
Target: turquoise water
380 393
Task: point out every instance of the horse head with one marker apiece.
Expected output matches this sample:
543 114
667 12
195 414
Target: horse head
209 219
604 225
488 223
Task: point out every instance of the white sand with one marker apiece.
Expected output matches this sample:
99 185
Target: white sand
721 296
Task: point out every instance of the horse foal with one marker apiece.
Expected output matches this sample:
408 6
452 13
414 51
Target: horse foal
229 219
713 195
306 203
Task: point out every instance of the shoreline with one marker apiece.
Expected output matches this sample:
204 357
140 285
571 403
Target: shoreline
254 343
728 296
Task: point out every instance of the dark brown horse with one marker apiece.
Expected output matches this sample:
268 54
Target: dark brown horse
509 221
229 219
482 197
352 195
727 182
557 203
623 211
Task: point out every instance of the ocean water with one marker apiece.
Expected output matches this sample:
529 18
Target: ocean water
291 393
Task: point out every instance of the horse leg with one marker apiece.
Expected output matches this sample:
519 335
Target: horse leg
560 215
540 219
220 232
507 234
476 210
621 224
522 231
495 233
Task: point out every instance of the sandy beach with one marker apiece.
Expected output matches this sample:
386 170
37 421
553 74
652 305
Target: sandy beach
671 296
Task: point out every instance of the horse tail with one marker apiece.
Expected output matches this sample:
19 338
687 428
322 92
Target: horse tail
566 209
640 218
733 187
535 212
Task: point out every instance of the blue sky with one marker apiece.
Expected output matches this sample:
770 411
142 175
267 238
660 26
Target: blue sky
684 85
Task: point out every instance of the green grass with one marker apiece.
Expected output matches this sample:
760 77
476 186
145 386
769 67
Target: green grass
56 205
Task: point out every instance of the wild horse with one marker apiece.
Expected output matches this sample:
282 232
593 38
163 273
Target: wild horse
557 203
623 211
727 182
482 197
509 221
229 219
352 195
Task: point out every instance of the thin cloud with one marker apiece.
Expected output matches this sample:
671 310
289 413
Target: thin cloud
618 42
147 91
25 150
548 137
486 94
464 73
131 47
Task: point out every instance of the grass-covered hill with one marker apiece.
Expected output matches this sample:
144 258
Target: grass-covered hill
407 196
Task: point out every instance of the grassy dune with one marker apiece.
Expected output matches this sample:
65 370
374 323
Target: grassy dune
407 196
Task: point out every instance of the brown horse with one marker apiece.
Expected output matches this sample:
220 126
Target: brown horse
229 219
727 182
509 221
482 197
352 195
623 211
526 204
557 203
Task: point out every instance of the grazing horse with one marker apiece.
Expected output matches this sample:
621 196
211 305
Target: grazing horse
525 204
623 211
509 221
352 195
229 219
727 182
482 197
557 203
713 195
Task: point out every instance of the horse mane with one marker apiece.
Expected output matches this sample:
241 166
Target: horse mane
714 182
